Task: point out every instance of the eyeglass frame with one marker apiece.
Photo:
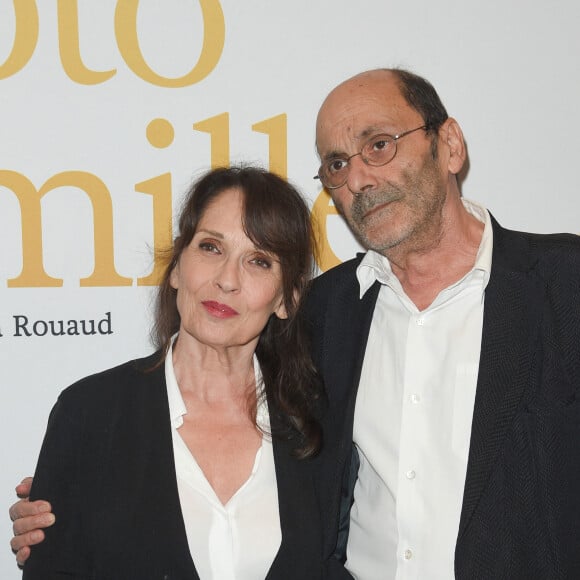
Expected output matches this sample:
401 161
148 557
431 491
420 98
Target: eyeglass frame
392 139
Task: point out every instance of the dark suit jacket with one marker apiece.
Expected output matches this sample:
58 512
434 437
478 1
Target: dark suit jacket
520 518
107 467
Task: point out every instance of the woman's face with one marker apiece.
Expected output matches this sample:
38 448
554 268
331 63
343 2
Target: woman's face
227 288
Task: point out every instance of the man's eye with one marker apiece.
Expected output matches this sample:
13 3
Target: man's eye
336 165
379 144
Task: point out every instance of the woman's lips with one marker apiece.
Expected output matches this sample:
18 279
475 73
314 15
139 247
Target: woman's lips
219 310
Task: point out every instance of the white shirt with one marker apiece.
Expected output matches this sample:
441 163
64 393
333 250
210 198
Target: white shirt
412 422
238 540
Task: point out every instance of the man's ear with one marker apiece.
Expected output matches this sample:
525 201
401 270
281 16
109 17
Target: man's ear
452 136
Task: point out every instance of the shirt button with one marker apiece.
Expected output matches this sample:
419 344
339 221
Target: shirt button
410 474
408 554
415 398
420 321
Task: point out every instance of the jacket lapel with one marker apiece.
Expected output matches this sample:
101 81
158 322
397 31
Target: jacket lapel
154 476
510 333
346 330
347 327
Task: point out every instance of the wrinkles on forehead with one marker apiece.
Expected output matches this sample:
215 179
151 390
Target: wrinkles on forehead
353 141
342 131
370 103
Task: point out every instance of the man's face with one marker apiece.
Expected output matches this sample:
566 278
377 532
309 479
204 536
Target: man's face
400 202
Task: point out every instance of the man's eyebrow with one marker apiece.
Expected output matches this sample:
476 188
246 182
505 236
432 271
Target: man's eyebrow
362 136
374 130
333 155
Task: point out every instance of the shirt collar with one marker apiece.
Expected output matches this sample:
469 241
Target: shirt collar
375 267
177 407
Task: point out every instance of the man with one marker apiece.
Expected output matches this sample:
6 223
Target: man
451 357
464 341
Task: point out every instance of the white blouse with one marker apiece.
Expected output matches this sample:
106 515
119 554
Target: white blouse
238 540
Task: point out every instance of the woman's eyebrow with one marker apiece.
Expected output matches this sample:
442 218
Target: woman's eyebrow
211 233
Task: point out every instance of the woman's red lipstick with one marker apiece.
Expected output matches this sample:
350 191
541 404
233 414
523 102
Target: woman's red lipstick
219 310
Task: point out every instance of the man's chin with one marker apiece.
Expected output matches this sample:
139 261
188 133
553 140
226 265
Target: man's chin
382 237
377 241
378 233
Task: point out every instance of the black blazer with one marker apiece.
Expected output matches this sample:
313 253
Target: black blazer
520 518
107 467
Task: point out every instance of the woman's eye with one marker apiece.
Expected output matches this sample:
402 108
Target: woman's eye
208 247
262 262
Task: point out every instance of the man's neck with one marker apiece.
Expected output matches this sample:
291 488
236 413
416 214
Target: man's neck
449 254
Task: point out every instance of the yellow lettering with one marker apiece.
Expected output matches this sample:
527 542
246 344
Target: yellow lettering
160 133
276 129
104 273
128 42
68 35
33 273
321 209
25 37
219 129
160 189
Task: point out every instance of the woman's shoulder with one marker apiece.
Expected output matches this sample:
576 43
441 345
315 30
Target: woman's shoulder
115 383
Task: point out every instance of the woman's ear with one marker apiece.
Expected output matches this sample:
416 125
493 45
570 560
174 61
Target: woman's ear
281 311
174 277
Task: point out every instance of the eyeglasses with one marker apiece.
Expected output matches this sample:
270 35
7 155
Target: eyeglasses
377 151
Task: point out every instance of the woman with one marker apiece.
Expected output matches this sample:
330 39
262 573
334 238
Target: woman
164 467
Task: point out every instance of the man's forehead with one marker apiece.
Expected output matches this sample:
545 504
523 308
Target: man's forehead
375 86
335 132
367 104
359 130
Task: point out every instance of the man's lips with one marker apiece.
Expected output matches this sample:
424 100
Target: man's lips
219 310
376 208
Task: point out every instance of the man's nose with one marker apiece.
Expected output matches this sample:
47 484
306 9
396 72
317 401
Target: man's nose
361 176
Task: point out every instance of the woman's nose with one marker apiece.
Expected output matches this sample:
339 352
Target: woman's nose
228 276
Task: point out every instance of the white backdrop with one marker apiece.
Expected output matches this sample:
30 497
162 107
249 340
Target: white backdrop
108 110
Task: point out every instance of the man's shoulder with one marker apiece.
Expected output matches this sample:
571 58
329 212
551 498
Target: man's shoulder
568 244
343 272
553 241
336 294
557 253
339 281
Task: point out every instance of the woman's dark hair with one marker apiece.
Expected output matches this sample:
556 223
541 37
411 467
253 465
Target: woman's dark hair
276 219
422 96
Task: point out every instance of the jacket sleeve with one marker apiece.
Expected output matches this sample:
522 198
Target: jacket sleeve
60 478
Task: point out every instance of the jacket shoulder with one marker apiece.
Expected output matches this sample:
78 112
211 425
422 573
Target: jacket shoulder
330 287
548 254
560 247
336 278
102 389
347 268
